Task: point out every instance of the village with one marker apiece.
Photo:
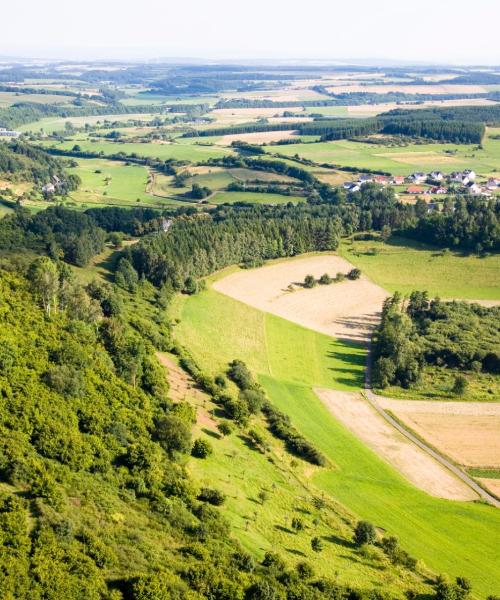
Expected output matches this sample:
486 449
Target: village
431 184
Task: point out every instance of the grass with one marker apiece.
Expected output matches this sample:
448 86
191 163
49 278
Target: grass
253 198
51 124
486 473
453 537
402 160
114 184
437 384
177 151
403 265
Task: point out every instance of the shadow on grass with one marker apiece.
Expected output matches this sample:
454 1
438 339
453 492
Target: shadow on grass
211 433
296 552
283 529
335 539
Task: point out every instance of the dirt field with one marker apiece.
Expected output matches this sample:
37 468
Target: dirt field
347 310
468 432
260 137
353 411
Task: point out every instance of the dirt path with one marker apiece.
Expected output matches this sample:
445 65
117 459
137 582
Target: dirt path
362 419
347 310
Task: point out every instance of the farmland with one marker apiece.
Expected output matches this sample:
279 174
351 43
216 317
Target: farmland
289 366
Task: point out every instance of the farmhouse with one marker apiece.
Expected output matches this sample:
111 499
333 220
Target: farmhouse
365 179
398 180
436 175
382 179
439 190
493 184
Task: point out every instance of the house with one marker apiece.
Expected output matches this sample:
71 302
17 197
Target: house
365 179
417 177
352 187
439 190
459 177
48 188
381 179
6 133
471 175
398 180
474 188
436 175
493 183
415 189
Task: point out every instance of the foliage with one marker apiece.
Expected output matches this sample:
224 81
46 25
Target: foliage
364 533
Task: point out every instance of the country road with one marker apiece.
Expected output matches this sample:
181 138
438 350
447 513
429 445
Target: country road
373 400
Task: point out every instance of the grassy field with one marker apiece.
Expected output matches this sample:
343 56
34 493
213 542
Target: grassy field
177 151
451 537
9 98
107 182
402 160
51 124
254 198
402 265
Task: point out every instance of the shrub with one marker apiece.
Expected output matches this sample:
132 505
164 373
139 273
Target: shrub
460 385
325 279
316 544
201 448
173 435
354 274
309 281
214 497
364 533
225 428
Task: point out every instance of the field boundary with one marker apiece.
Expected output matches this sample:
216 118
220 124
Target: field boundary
372 400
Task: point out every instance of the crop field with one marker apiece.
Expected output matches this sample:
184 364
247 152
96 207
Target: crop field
346 310
453 537
9 98
402 160
402 265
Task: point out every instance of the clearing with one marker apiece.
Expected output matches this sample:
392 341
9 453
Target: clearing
347 310
352 410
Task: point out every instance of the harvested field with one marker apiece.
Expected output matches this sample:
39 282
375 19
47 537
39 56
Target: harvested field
468 432
260 137
347 310
409 89
355 413
492 484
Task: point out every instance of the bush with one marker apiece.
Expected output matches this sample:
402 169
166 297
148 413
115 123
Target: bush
225 428
201 448
309 281
214 497
364 533
460 385
354 274
173 435
325 279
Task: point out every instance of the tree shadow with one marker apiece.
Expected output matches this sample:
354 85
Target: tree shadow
296 552
284 529
335 539
211 433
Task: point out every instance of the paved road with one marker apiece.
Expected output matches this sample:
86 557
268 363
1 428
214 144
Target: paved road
373 400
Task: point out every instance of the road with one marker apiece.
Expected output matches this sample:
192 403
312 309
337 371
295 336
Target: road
373 400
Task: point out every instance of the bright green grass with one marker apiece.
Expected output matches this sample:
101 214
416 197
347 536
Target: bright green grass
178 151
402 265
126 185
330 111
9 98
403 160
454 537
51 124
254 198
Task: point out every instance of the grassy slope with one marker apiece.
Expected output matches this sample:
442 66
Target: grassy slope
403 160
453 537
254 198
403 265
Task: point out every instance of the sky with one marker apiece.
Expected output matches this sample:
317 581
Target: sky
416 31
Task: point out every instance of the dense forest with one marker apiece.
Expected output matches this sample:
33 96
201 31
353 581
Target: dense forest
421 332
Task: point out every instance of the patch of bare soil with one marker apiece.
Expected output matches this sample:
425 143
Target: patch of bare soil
491 484
183 388
347 310
355 413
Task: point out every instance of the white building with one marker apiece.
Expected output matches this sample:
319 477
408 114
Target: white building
6 133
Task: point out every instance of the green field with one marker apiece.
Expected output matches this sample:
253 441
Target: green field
177 151
402 160
9 98
51 124
115 184
451 537
403 265
254 198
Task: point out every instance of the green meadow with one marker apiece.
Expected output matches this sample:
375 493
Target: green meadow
51 124
176 151
402 160
453 537
403 265
253 198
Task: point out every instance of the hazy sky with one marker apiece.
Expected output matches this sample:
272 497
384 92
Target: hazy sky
458 31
